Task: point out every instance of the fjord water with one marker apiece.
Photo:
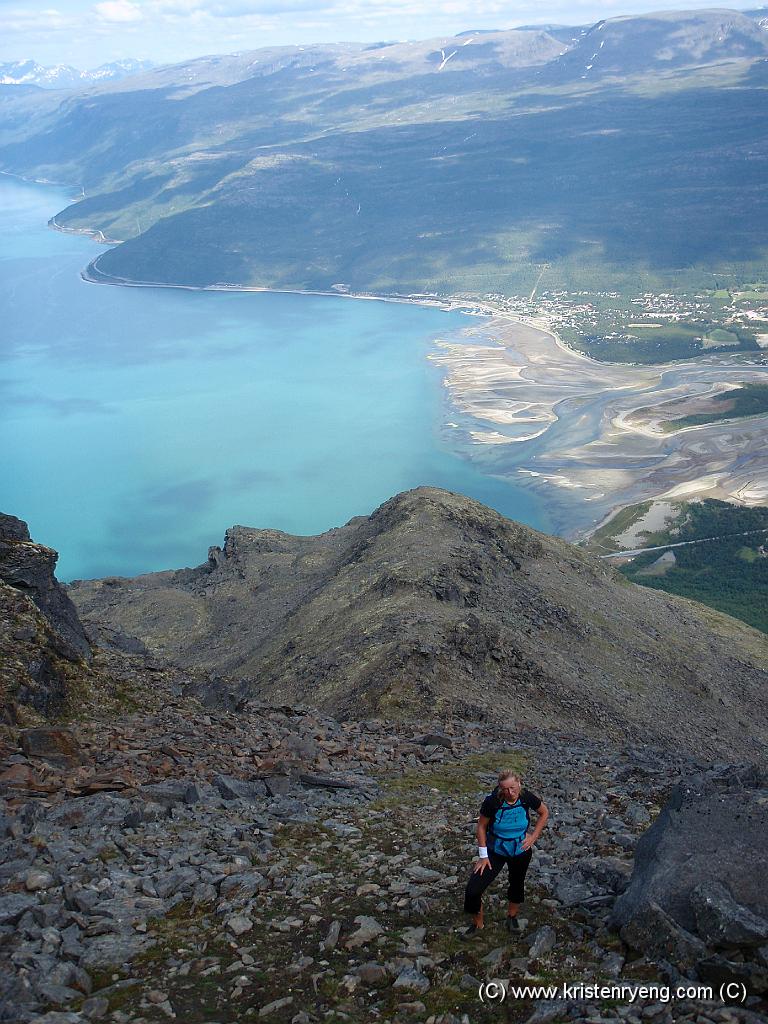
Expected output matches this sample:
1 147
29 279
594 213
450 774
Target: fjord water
138 423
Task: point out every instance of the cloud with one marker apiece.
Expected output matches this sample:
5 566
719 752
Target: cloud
17 20
118 11
174 6
240 8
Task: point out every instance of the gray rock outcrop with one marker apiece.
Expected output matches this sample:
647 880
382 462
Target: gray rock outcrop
30 568
42 641
698 885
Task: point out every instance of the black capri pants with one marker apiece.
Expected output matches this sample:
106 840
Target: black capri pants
478 882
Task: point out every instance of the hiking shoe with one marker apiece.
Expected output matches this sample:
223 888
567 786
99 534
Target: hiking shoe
512 924
470 933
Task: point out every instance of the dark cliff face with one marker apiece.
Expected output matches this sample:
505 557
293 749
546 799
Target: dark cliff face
41 637
30 568
435 604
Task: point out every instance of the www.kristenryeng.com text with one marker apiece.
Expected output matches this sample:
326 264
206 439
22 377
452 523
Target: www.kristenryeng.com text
498 990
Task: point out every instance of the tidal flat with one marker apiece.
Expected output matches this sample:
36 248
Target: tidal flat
526 406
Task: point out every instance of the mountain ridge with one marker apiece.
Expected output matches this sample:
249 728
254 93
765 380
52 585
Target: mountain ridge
435 601
470 159
667 40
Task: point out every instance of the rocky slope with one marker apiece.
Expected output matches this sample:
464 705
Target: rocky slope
665 41
436 604
173 849
201 865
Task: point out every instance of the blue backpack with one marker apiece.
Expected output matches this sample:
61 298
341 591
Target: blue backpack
508 827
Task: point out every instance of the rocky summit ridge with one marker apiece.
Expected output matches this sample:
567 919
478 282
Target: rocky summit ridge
435 604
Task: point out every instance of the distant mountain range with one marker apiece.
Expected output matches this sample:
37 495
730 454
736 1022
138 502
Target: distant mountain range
631 154
63 76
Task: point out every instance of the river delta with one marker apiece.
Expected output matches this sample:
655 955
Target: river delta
139 423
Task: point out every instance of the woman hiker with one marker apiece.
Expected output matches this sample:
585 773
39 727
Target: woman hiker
502 838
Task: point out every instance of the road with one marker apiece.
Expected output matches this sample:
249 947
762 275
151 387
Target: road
678 544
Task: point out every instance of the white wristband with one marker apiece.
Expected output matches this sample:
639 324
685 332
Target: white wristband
483 852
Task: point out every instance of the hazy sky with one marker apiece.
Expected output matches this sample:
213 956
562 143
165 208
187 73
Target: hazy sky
86 33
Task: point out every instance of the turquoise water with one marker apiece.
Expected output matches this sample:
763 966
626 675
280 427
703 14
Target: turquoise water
137 424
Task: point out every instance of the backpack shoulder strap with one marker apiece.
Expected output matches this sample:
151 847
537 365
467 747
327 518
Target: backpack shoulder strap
494 798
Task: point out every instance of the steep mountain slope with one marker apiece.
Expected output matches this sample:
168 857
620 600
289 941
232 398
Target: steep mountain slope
237 102
628 154
436 602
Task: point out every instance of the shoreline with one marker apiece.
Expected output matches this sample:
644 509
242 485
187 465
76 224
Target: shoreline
450 304
489 312
97 234
470 307
43 181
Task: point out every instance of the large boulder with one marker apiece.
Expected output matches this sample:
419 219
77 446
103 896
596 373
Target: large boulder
701 866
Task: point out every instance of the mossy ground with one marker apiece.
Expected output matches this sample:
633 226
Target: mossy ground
459 778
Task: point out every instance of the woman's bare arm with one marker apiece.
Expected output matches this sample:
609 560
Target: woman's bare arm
542 816
482 838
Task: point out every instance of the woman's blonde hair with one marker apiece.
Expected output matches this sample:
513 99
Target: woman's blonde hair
509 774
